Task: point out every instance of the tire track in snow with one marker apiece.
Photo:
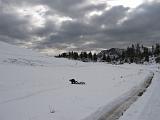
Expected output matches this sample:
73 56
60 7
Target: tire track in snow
115 110
118 111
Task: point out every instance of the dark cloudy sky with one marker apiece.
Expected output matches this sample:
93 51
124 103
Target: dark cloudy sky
58 25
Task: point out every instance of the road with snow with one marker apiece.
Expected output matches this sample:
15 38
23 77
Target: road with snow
148 106
120 105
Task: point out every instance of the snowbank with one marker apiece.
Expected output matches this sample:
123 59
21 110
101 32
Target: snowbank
115 109
148 106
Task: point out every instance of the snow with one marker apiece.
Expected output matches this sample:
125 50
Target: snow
148 106
36 87
116 108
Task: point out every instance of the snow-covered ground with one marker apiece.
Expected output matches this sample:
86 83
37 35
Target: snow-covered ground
37 87
148 106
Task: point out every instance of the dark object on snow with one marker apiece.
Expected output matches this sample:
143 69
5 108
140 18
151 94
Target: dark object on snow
140 94
73 81
81 83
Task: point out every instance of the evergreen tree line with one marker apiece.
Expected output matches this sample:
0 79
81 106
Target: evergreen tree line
133 54
83 56
139 54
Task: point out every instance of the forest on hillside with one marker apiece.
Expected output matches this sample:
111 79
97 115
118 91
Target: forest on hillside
133 54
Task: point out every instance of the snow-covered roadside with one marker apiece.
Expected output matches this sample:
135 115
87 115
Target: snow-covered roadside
116 108
148 106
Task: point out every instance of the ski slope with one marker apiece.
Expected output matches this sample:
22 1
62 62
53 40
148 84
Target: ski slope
36 87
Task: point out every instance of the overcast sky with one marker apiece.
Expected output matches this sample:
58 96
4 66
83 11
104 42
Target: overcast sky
57 25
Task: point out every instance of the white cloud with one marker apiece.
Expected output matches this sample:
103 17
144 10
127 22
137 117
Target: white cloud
35 14
94 13
126 3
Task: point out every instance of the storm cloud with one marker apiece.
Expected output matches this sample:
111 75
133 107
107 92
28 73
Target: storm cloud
77 24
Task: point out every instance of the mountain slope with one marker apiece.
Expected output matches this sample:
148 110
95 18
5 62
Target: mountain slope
113 52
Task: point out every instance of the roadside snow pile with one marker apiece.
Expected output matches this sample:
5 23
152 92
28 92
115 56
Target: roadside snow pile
43 92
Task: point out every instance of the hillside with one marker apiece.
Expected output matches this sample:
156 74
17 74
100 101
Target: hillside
36 87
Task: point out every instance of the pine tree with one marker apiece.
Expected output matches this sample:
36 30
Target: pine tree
133 51
85 55
157 50
81 55
70 55
64 55
138 51
152 52
147 58
108 59
75 56
104 58
122 57
90 56
95 57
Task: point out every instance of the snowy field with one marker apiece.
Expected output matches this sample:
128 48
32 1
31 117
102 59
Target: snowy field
37 87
